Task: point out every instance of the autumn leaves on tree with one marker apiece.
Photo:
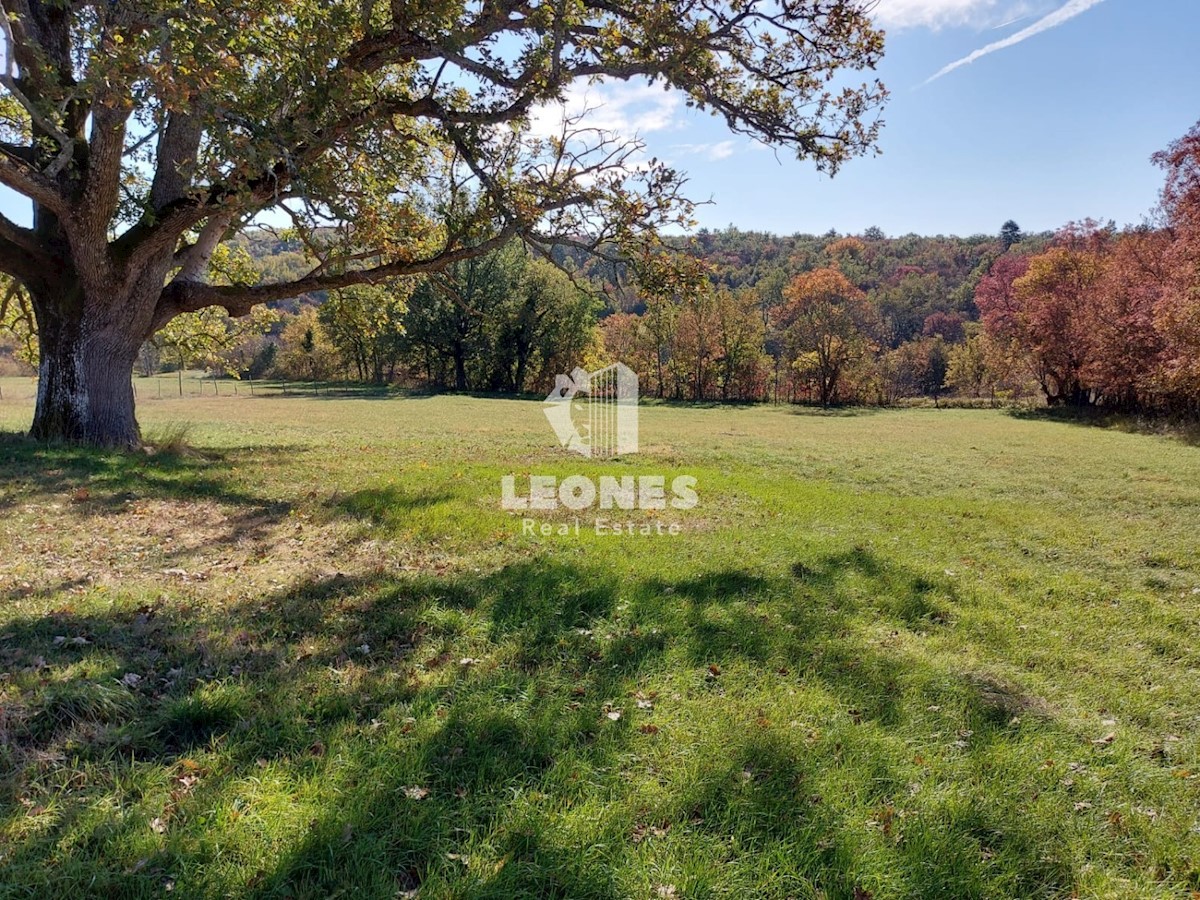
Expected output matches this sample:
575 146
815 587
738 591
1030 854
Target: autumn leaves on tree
1105 318
1088 317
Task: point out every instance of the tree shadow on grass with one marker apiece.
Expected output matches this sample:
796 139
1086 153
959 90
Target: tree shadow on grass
835 412
389 506
173 507
1186 430
335 390
808 622
112 478
392 758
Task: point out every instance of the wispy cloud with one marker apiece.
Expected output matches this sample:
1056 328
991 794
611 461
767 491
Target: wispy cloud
938 14
711 152
1064 13
625 109
1014 21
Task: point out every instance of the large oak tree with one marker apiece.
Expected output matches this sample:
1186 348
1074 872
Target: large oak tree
146 132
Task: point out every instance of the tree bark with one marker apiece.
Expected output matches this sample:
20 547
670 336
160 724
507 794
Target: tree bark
460 369
85 382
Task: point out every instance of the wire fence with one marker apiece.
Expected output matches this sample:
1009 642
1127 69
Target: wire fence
16 389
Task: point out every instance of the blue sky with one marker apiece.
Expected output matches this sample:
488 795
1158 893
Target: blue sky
1059 126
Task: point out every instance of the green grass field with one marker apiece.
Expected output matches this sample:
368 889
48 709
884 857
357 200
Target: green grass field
893 654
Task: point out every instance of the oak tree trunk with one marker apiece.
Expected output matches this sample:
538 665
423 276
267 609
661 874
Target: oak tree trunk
85 381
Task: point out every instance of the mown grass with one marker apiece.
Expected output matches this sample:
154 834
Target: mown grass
304 653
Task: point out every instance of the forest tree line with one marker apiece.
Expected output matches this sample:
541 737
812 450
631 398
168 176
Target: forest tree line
1089 316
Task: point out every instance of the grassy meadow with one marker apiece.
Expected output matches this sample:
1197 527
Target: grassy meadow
301 651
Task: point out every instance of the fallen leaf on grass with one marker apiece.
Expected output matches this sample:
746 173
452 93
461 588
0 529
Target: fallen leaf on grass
1106 740
641 832
416 792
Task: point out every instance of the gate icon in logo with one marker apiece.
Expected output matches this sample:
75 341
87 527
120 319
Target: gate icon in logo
595 414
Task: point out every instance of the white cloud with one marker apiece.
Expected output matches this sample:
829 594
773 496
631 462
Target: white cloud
1068 11
712 152
937 14
625 109
721 150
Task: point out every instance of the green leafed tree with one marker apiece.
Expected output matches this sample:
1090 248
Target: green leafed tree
144 133
366 325
1010 233
206 338
452 317
547 325
16 319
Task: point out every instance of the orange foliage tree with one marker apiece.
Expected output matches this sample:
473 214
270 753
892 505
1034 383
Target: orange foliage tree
824 324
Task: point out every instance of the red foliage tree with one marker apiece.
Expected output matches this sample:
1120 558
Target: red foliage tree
1125 343
1178 314
948 326
999 309
1045 314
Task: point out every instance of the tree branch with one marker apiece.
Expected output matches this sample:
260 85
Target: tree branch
24 239
185 296
25 179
